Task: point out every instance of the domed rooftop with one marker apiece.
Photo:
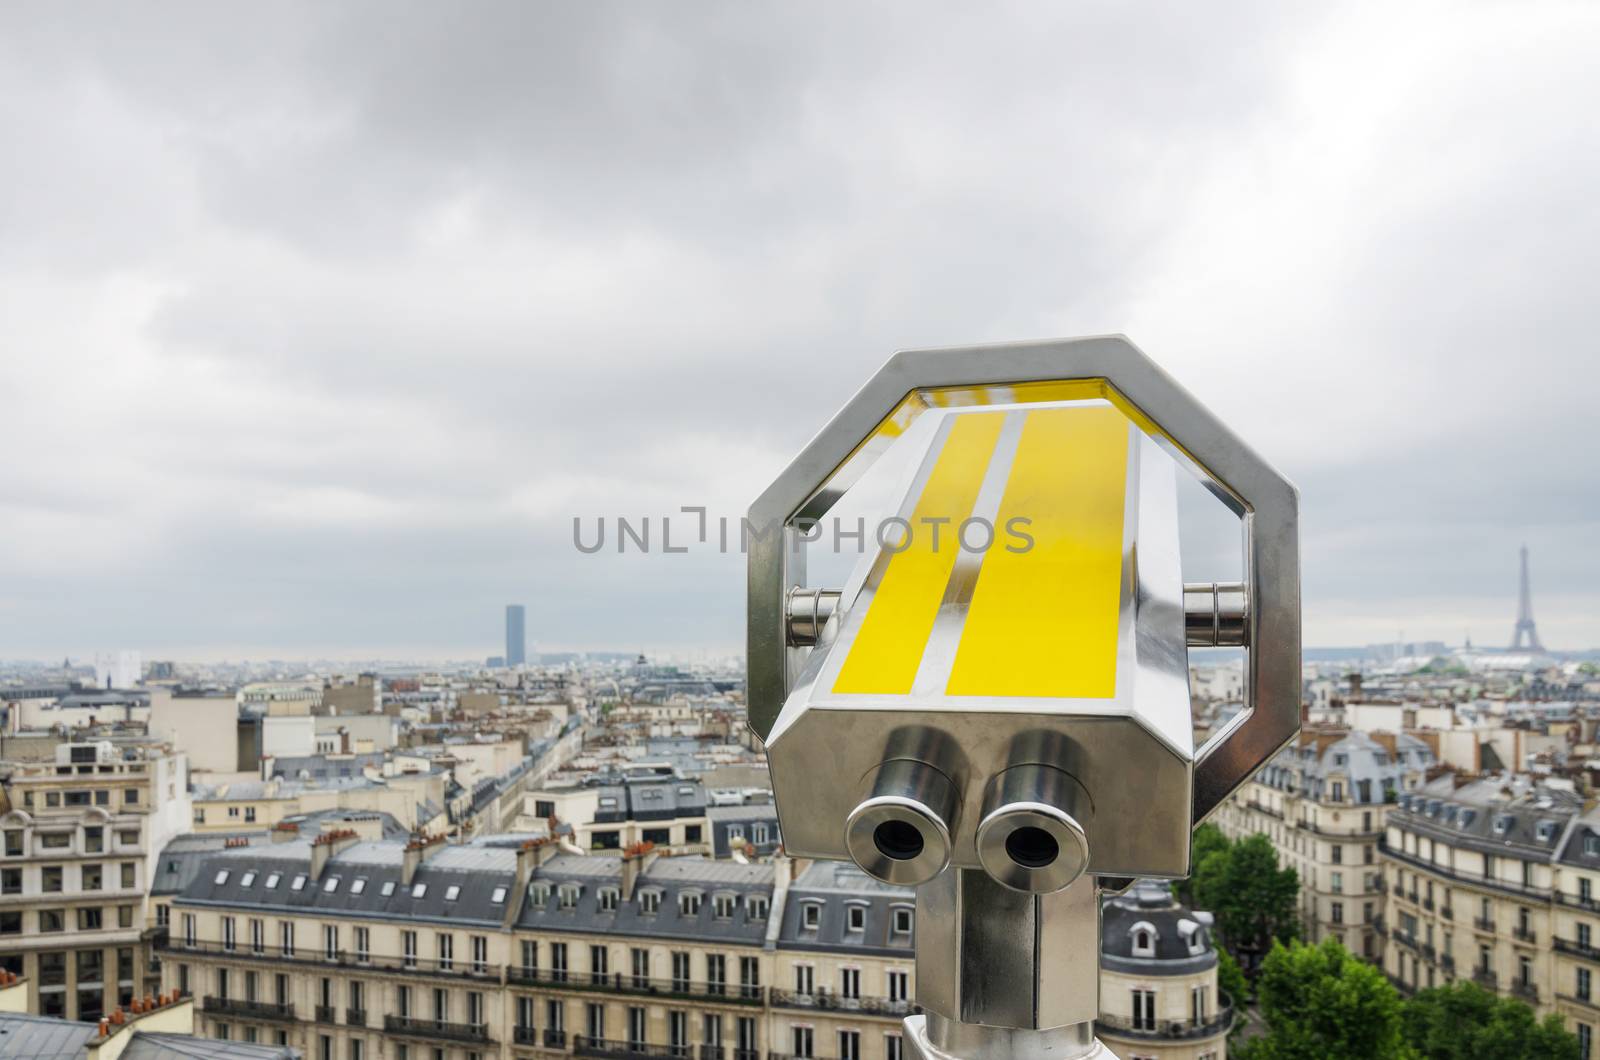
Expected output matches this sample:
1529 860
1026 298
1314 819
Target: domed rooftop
1145 931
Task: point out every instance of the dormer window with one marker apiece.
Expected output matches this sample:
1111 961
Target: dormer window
538 895
608 899
811 916
756 905
569 895
650 902
735 832
689 903
687 791
855 917
758 833
1467 817
1144 939
1547 831
1502 824
1433 808
1340 760
901 920
1193 935
1591 844
724 905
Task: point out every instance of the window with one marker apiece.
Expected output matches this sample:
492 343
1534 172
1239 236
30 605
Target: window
649 902
221 877
272 880
228 940
446 946
363 944
358 885
723 905
608 899
286 937
298 883
1583 986
13 843
387 889
408 948
330 941
51 878
1144 939
1144 1010
247 880
330 885
689 903
452 892
805 979
757 906
899 986
569 896
902 920
680 971
850 983
803 1041
855 918
599 964
498 897
419 890
811 916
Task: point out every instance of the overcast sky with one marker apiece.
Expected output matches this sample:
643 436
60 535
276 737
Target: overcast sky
320 322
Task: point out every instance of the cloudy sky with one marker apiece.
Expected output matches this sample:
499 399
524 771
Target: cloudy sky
320 322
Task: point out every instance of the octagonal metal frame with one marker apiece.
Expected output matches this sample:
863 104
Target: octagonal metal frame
1266 503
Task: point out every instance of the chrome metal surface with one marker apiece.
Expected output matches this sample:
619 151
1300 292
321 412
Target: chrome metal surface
992 955
901 833
807 613
1029 839
1216 614
1266 503
929 1037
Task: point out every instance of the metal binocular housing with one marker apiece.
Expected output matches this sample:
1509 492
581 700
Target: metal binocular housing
1000 716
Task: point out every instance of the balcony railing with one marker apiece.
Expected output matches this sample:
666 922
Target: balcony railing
626 1050
1448 963
1483 923
1448 912
253 1010
1524 990
1445 872
617 983
1405 940
826 1001
1427 903
525 1036
443 1029
1591 904
307 957
1575 948
327 1014
1128 1027
555 1039
1486 977
356 1017
1524 935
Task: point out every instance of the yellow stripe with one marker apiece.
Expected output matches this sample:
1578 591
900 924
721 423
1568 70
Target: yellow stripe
1044 622
888 648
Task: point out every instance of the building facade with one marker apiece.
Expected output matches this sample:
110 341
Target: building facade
78 841
1323 801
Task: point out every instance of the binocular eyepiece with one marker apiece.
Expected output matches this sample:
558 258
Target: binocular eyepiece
1028 836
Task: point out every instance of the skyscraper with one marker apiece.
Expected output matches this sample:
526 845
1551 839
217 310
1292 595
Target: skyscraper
516 637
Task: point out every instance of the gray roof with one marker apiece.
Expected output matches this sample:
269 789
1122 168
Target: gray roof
669 878
1509 815
1369 766
476 871
24 1037
655 800
183 857
188 1047
1182 939
324 767
835 886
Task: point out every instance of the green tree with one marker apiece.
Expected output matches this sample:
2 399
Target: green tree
1253 899
1323 1003
1208 840
1463 1021
1232 984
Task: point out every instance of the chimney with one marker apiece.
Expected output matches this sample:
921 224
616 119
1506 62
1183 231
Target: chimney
418 849
326 846
1355 685
532 856
635 860
285 832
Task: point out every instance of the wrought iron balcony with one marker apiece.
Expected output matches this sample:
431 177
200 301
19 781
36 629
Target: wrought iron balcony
617 983
525 1036
832 1002
442 1029
1486 977
1524 935
355 1017
1447 912
327 1014
627 1050
1128 1027
1576 949
254 1010
1526 991
313 958
1483 923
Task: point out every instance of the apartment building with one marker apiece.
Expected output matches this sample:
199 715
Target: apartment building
78 841
1158 979
1474 867
670 813
354 949
1323 801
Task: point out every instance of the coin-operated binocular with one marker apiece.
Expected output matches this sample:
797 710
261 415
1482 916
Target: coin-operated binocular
994 708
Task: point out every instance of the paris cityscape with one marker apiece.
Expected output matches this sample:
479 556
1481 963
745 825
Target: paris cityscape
728 530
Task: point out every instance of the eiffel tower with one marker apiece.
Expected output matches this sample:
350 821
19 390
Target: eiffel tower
1525 627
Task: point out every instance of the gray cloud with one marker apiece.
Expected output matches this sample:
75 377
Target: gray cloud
323 320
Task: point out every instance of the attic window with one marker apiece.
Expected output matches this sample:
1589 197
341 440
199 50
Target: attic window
608 802
221 878
686 790
1433 808
608 899
419 890
811 915
498 897
724 905
689 903
331 886
247 879
452 892
1591 844
539 895
387 889
272 880
855 918
756 905
1467 817
569 896
358 885
649 901
1547 831
1502 824
1144 939
1340 760
298 883
902 921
